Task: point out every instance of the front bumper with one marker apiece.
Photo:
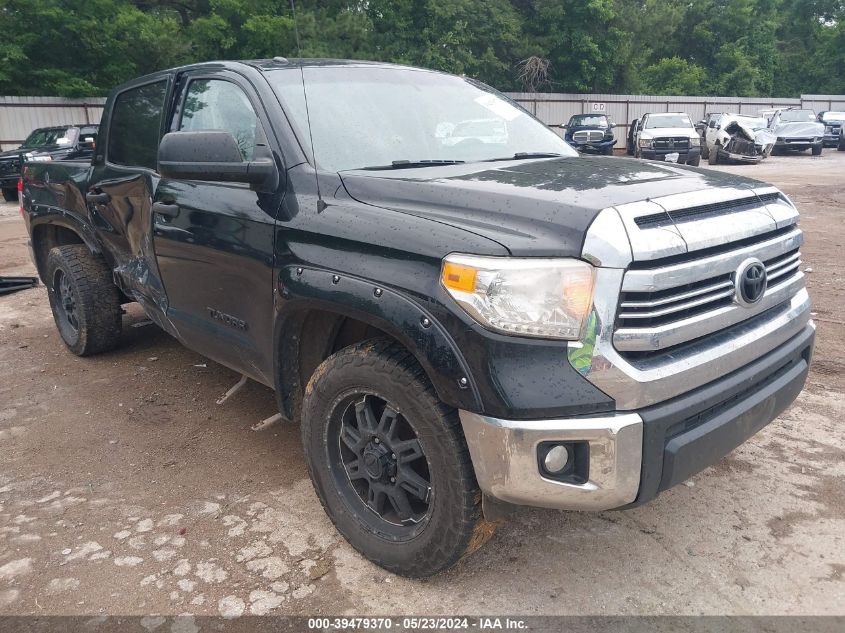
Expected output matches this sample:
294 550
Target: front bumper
684 156
592 146
742 158
632 456
831 140
798 144
9 182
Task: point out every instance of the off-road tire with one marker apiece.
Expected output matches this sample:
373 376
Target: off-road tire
10 195
454 526
817 149
96 299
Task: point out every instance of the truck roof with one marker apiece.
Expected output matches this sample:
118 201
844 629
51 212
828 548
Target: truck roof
276 63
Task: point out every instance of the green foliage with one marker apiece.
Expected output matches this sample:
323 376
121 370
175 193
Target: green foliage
674 76
724 47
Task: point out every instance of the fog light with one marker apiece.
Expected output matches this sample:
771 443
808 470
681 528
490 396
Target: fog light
556 459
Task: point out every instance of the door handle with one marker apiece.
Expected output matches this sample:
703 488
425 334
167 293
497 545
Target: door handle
166 209
97 198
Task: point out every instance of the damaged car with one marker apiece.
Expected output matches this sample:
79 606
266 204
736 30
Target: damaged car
834 126
796 129
736 138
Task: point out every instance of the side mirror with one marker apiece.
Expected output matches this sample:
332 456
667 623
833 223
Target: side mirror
88 144
213 155
712 123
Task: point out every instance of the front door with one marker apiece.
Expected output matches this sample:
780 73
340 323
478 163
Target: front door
214 240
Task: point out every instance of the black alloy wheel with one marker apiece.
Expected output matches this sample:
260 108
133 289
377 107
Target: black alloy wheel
380 463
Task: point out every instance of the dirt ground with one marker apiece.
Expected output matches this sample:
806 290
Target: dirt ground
124 488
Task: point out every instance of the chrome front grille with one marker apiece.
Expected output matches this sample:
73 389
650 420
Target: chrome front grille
671 142
663 305
665 319
648 309
588 136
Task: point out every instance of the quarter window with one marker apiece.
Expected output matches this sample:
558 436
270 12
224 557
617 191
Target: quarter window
136 125
214 104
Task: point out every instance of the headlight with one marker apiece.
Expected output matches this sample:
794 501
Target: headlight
645 142
546 298
695 141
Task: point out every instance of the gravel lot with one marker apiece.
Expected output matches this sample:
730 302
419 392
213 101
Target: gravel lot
124 488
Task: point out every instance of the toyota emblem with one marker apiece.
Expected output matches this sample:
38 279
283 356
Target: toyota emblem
750 282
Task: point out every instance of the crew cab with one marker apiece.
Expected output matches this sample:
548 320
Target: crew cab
458 329
66 142
668 136
736 138
590 133
834 127
796 129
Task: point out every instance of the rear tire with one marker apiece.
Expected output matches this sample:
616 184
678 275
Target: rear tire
10 195
84 300
389 461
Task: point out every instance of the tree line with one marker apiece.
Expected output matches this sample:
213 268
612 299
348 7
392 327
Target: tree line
687 47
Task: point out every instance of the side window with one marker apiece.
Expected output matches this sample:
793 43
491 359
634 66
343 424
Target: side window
135 126
215 104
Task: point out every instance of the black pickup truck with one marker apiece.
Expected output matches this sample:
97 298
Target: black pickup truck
65 142
459 326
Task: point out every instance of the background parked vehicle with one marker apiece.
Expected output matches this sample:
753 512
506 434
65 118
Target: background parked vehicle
796 129
590 133
736 137
834 127
67 142
668 136
631 144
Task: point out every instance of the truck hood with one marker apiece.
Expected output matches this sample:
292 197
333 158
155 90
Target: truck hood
660 132
533 208
799 129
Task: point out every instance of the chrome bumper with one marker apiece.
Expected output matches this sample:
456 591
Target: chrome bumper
505 458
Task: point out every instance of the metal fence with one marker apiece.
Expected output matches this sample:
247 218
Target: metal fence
20 115
555 109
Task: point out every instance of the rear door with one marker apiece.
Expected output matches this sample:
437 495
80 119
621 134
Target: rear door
214 240
119 195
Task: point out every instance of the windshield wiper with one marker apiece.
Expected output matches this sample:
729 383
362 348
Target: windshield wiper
408 164
524 155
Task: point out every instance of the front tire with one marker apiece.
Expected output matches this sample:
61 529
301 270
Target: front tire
713 156
695 162
389 461
817 149
84 300
10 195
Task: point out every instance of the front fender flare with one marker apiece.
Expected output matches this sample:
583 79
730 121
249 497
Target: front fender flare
404 318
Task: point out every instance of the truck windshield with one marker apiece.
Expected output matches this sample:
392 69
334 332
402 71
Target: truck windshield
797 116
667 120
588 119
834 116
50 136
374 116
